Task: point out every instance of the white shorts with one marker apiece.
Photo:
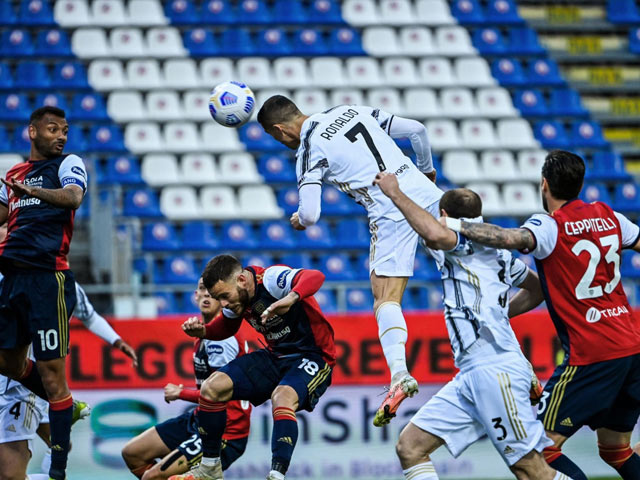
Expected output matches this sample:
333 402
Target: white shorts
493 400
21 412
392 250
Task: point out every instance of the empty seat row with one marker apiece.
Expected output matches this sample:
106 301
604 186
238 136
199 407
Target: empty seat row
471 12
143 137
480 134
18 43
108 13
127 42
581 134
83 106
625 197
32 75
520 41
515 198
397 12
562 102
542 72
463 166
36 13
100 138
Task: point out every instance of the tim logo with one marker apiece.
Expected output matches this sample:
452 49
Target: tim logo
282 278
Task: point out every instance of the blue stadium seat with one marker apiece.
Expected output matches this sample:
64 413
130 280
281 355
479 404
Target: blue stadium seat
273 42
276 235
53 43
179 269
502 12
181 12
524 41
106 138
7 14
199 235
237 236
254 12
69 75
623 11
5 143
586 134
123 170
141 265
6 78
335 202
566 102
32 76
276 169
424 268
634 40
288 12
508 72
327 300
505 222
83 212
20 141
325 12
15 107
345 42
296 260
255 138
76 140
188 300
336 267
595 192
88 106
352 233
257 260
52 100
428 298
314 236
530 102
35 13
288 200
361 267
16 43
468 12
359 300
166 303
160 236
551 134
309 42
217 12
141 203
626 197
607 166
630 264
488 41
544 72
200 43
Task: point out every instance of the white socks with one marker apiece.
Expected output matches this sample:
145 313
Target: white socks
422 471
392 331
210 462
561 476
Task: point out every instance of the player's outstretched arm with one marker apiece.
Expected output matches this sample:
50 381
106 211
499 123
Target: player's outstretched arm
309 206
67 197
492 235
437 236
416 132
528 297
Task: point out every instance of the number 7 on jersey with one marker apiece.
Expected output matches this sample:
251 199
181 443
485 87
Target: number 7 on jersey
352 135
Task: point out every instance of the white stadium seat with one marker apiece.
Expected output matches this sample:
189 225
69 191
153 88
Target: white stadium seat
159 169
473 72
421 103
106 75
443 134
397 12
198 169
181 137
90 43
380 41
460 166
146 13
165 42
434 12
530 164
491 199
143 137
254 71
108 13
435 72
71 13
218 202
360 12
516 133
179 203
416 41
363 72
495 102
196 105
127 43
457 103
258 201
400 72
346 96
238 169
388 99
477 134
144 75
453 41
216 138
8 160
521 199
264 95
126 106
327 72
163 105
311 100
181 74
291 72
498 165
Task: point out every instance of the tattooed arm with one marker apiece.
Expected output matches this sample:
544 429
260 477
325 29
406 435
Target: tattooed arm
498 237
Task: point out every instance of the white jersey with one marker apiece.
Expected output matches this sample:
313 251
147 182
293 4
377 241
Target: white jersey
476 281
347 146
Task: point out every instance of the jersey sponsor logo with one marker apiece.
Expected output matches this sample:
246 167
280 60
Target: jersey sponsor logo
593 314
282 279
34 181
215 348
339 122
589 225
535 221
79 171
566 422
401 169
24 202
278 335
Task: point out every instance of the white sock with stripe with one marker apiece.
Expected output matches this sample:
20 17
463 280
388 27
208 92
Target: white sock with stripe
392 331
561 476
422 471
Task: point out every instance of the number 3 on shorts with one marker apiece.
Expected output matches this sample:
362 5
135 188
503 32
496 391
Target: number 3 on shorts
308 366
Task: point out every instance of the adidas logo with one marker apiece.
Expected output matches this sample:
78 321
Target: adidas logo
201 431
508 450
286 440
11 428
566 422
57 448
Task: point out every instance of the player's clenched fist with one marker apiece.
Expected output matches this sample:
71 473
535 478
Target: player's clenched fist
172 392
295 222
387 182
194 327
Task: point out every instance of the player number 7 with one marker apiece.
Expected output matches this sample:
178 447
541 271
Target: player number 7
352 135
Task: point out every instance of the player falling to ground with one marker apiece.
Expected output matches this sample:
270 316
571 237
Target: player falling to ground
346 146
491 393
294 369
38 199
177 441
577 249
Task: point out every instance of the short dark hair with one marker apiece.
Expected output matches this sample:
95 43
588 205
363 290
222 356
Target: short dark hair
461 203
220 268
277 109
564 172
39 113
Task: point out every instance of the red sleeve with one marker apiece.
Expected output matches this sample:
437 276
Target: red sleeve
190 395
307 282
222 327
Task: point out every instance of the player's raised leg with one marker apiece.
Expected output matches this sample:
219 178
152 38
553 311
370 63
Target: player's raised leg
285 430
141 451
414 448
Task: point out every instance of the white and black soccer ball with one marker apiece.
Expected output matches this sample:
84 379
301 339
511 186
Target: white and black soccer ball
231 104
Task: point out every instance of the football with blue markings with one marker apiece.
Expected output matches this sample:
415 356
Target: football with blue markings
231 104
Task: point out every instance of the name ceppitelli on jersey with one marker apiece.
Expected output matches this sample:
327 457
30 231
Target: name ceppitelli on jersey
338 123
589 225
24 202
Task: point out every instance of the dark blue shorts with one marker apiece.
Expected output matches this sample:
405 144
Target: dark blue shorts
604 394
255 376
35 307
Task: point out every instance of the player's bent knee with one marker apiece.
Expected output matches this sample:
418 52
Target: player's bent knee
217 388
284 396
410 452
132 453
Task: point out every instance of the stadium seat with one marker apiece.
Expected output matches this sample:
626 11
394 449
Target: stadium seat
461 166
476 134
397 12
160 236
90 43
200 42
634 40
35 13
255 138
607 166
530 164
217 70
159 169
495 103
218 202
123 170
595 192
254 12
106 138
163 105
20 142
352 233
458 102
421 103
273 42
623 11
316 236
435 72
199 235
276 169
32 76
544 72
502 12
325 12
566 102
334 202
181 12
217 12
6 78
127 42
142 137
425 268
7 14
181 137
296 260
179 269
141 203
327 300
71 13
453 41
515 133
443 134
106 75
434 12
587 134
216 138
508 72
551 134
363 72
143 74
69 75
238 235
179 203
524 41
530 102
380 41
488 41
238 169
108 13
146 13
51 100
276 235
360 12
255 71
257 202
498 166
309 42
7 161
198 169
468 12
5 143
15 107
188 301
415 41
428 298
473 72
291 72
520 199
359 300
166 303
288 200
126 106
492 203
53 43
336 267
311 100
399 72
76 141
327 72
387 99
345 42
293 13
626 197
237 43
630 264
346 96
258 260
88 106
195 105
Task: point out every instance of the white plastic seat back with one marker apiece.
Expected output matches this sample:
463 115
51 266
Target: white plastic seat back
443 134
461 166
387 99
106 75
164 105
144 74
159 169
258 201
181 73
363 72
327 72
143 137
360 12
521 199
498 165
90 43
264 95
416 41
435 72
397 12
311 100
218 202
8 160
254 71
346 96
458 102
216 138
380 41
530 164
473 72
179 203
181 137
198 169
477 134
291 72
146 13
400 72
71 13
196 105
516 133
453 41
126 106
165 42
108 13
491 199
238 169
495 102
434 12
127 43
421 103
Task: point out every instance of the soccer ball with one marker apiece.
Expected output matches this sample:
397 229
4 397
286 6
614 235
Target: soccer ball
231 104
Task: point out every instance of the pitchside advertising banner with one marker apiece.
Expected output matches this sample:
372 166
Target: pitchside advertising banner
337 440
